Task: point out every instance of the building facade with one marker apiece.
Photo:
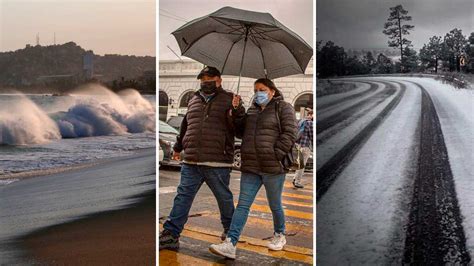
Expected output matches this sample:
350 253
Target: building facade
178 82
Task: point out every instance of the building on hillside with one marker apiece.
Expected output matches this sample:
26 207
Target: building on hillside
177 83
88 65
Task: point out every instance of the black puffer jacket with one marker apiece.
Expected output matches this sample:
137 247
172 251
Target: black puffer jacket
263 146
207 131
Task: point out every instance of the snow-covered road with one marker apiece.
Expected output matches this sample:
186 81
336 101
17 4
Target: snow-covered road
366 204
455 109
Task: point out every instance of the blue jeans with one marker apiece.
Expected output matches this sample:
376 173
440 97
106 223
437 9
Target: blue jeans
192 177
250 184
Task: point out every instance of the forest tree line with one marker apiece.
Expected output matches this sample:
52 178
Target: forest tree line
453 52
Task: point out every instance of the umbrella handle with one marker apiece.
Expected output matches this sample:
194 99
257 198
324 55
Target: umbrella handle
238 86
243 56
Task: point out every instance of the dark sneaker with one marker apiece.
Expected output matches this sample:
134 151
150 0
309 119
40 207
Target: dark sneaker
168 240
224 234
297 185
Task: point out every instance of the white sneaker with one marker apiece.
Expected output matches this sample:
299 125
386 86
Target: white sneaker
226 249
277 242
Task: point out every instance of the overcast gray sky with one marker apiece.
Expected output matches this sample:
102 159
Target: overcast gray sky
359 24
125 27
295 14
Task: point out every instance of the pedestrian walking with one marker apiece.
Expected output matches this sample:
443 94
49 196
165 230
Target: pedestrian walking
305 141
263 148
207 138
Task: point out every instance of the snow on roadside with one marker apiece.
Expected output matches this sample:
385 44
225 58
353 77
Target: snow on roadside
455 108
360 218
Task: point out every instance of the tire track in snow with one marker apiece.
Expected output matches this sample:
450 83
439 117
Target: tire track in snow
337 118
373 87
354 116
434 234
327 174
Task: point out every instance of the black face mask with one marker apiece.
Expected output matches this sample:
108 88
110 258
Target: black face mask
208 87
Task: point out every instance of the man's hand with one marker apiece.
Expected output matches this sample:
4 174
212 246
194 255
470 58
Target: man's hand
176 156
236 101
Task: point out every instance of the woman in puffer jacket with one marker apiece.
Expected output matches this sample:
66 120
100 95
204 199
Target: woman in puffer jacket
268 132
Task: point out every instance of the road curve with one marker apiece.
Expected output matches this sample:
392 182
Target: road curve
328 172
425 221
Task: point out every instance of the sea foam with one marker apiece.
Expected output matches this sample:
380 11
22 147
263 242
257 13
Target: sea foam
22 122
94 111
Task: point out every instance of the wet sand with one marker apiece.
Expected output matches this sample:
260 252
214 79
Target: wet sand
119 237
101 214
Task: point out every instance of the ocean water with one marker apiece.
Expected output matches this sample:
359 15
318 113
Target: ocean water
41 133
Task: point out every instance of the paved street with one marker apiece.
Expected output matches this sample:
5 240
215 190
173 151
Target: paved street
204 228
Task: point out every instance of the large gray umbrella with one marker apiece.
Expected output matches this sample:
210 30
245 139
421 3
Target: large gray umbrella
244 43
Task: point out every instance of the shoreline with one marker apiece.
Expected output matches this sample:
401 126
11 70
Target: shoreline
118 237
67 168
98 213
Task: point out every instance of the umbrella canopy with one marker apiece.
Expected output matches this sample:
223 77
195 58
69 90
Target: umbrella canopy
244 43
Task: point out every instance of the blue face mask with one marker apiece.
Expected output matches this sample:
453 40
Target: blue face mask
261 98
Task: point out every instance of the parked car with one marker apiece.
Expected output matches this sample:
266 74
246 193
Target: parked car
167 138
175 121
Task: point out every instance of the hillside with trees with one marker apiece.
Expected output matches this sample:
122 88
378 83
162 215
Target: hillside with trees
62 66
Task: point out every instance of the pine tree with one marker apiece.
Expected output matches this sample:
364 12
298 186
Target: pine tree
383 65
470 53
455 43
369 61
411 60
330 60
396 29
432 52
353 66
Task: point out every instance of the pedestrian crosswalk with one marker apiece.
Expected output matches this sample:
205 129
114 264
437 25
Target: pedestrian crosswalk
291 202
297 196
168 257
204 229
306 188
288 212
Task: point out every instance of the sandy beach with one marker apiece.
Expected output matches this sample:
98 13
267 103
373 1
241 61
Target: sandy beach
103 213
120 237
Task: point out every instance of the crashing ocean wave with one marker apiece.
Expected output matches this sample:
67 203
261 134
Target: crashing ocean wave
95 111
22 122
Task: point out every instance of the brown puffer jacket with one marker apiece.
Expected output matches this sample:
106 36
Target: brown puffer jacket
207 131
263 146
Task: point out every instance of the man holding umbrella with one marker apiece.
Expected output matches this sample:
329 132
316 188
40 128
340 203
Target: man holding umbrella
207 138
237 42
